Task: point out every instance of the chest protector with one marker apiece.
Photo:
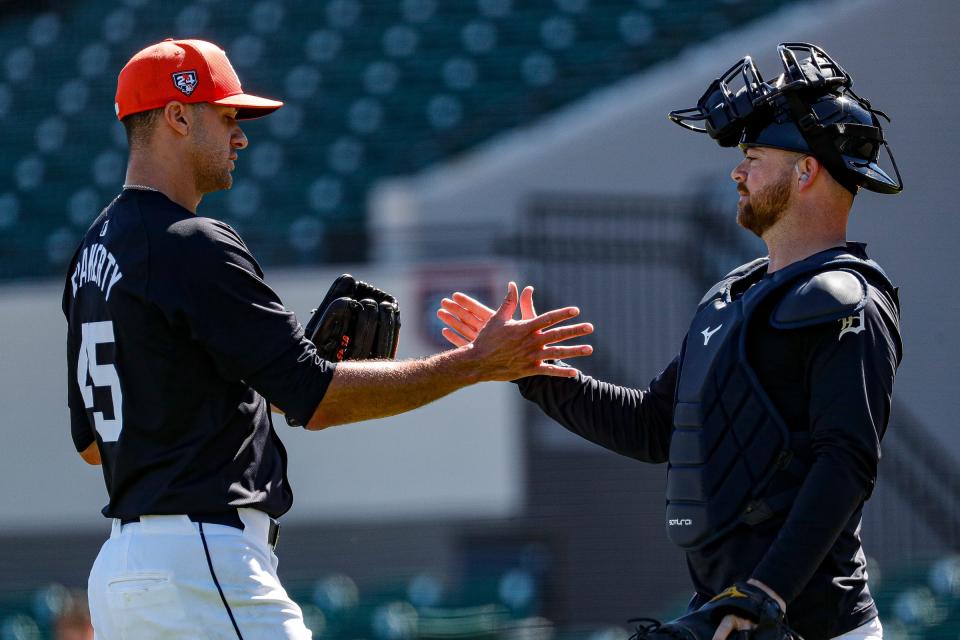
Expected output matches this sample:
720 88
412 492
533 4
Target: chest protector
729 442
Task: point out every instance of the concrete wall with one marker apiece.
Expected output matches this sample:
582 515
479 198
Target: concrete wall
461 456
901 55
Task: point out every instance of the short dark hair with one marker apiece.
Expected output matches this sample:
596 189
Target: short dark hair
140 125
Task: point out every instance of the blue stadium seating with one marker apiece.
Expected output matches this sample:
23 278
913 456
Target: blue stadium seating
373 89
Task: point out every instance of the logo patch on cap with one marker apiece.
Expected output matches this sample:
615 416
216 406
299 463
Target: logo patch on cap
185 81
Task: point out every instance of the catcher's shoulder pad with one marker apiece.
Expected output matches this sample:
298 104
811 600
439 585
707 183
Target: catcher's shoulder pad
746 268
821 298
736 274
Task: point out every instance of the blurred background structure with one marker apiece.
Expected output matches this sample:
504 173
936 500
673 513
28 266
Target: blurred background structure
439 145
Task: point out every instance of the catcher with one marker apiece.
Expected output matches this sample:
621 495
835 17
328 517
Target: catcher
771 416
175 345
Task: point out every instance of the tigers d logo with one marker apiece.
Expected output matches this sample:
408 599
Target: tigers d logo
185 81
851 324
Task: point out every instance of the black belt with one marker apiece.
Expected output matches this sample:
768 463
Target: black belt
229 519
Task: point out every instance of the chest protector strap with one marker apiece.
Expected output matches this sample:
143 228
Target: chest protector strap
733 458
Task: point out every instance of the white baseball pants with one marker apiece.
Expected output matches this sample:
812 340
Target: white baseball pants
168 577
872 630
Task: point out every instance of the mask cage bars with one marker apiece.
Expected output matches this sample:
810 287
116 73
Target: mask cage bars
725 112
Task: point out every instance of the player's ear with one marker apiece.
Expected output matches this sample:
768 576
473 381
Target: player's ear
807 169
176 116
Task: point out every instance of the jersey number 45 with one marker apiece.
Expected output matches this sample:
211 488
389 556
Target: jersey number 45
99 375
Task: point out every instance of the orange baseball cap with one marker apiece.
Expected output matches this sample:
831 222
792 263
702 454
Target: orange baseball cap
189 71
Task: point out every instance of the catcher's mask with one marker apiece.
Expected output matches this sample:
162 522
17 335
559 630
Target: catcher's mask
809 108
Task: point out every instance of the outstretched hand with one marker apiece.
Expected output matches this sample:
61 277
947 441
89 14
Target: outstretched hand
466 316
507 349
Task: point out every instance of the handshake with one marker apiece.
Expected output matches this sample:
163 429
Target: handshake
471 323
357 321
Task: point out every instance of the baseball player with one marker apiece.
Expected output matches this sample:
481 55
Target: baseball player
176 346
771 416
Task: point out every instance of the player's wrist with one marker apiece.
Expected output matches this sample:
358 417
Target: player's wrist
464 365
769 591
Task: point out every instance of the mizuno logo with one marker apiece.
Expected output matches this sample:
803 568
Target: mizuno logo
680 522
731 592
708 333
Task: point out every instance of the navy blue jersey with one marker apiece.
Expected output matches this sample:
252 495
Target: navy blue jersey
174 340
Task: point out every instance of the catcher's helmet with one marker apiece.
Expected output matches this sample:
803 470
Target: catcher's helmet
809 108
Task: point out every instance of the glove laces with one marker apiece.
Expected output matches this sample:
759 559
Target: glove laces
643 628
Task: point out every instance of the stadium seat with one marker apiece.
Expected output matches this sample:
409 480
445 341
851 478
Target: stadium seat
372 90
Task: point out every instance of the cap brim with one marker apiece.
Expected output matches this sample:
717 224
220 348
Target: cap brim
249 106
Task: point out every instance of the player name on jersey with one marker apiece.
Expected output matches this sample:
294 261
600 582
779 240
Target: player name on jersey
98 266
